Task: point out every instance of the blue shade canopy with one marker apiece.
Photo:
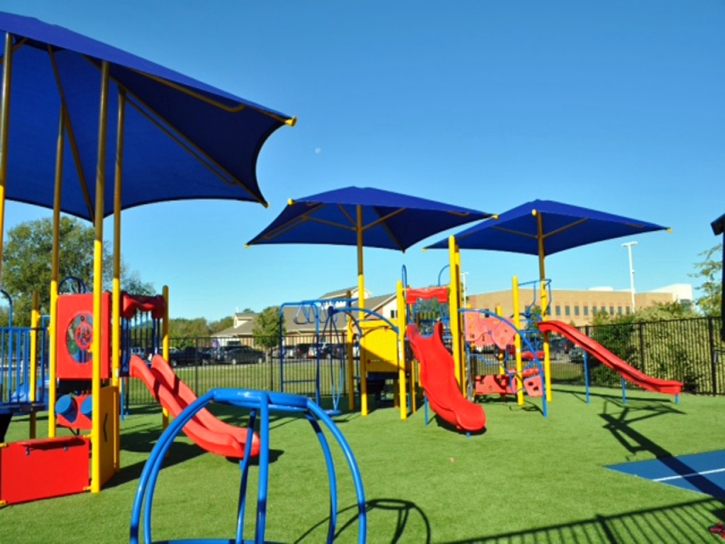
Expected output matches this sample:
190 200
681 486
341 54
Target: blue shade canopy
183 139
389 220
562 227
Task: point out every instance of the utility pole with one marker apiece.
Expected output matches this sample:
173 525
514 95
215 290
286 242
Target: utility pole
629 245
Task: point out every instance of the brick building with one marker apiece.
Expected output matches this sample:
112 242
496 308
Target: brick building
579 307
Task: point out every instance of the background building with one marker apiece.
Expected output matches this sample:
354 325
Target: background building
579 307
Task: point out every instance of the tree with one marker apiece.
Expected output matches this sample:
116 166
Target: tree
27 263
709 270
184 332
221 324
266 328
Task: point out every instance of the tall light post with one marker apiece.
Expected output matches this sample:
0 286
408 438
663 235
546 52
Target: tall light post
629 245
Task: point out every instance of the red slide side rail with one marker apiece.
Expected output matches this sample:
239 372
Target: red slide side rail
627 371
439 381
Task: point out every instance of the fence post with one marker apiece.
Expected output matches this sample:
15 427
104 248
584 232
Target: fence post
713 354
641 348
196 363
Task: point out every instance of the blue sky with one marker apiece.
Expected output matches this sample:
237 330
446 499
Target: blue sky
613 105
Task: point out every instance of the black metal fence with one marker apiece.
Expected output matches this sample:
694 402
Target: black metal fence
687 350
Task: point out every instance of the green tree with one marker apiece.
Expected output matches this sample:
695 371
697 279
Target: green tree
27 263
709 270
221 324
266 328
185 332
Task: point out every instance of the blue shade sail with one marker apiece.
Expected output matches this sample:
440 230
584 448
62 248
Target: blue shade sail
389 220
182 139
563 227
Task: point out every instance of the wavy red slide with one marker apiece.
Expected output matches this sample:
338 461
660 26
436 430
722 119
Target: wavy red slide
438 378
205 430
627 371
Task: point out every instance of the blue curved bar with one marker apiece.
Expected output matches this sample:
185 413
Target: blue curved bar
260 404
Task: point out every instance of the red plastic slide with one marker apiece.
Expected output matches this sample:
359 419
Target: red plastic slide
439 381
204 429
628 372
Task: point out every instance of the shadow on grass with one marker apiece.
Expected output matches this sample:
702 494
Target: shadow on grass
620 426
404 511
684 522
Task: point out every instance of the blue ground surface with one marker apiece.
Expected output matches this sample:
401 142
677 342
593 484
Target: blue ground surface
701 472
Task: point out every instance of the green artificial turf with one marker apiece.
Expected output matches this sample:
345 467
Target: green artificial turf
526 479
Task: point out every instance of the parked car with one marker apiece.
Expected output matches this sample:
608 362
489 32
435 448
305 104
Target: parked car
243 355
576 355
323 349
188 356
290 352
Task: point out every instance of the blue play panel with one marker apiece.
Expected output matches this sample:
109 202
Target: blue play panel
701 472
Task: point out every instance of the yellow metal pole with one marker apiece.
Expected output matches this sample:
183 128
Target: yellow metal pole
454 305
402 363
117 195
33 367
544 302
4 129
98 283
165 347
361 315
116 319
517 341
54 272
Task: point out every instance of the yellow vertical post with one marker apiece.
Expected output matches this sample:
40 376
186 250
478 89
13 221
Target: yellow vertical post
4 129
116 319
33 363
98 283
544 303
454 305
165 346
54 272
517 342
361 315
402 363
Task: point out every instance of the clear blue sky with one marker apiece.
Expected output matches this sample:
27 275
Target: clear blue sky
613 105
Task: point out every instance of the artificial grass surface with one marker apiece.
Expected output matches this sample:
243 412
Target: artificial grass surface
526 479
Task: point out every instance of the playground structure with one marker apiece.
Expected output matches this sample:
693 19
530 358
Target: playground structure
83 393
380 351
261 405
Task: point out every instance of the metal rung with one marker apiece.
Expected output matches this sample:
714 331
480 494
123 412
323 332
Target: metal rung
299 381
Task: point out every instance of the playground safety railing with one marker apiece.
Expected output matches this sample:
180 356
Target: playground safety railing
688 350
15 373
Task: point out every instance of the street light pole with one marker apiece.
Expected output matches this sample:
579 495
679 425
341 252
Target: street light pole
629 245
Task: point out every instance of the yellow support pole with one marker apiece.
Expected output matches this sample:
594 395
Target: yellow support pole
54 272
402 386
361 315
544 303
517 342
98 284
33 363
4 129
165 346
454 307
116 306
